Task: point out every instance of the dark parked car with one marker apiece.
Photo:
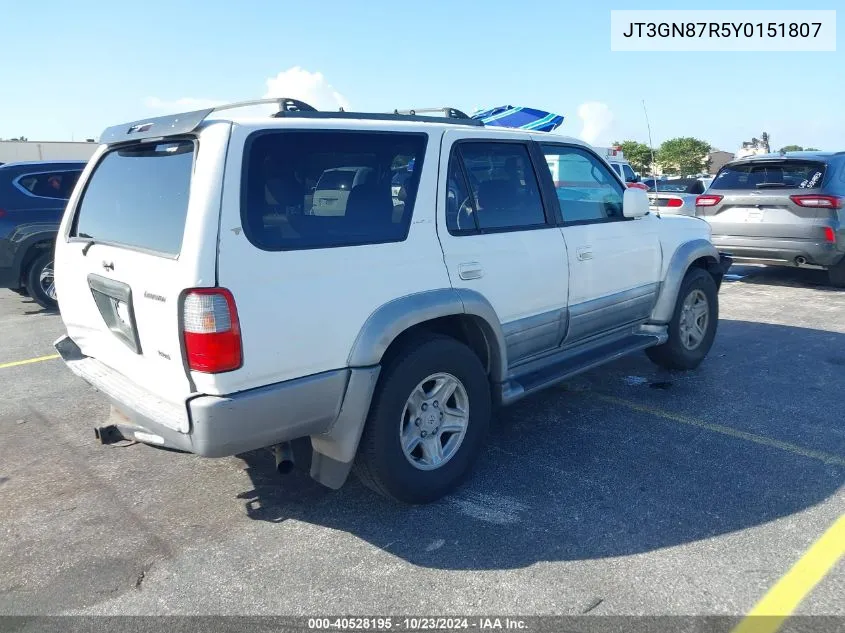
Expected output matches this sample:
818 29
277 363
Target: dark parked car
781 209
33 196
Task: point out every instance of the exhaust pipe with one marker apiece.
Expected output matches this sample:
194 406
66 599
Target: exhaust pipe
800 260
284 458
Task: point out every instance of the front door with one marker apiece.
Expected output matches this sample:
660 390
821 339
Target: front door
499 239
614 262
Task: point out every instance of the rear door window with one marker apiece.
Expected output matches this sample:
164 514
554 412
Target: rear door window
771 175
57 185
628 173
322 189
505 194
138 197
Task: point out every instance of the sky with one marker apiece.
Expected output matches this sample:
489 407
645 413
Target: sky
72 69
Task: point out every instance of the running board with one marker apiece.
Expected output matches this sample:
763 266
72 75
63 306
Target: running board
572 363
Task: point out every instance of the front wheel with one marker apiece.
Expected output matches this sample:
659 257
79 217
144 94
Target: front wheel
428 421
693 325
40 282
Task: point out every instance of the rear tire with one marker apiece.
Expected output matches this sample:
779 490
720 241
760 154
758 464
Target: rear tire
433 392
836 274
40 281
693 325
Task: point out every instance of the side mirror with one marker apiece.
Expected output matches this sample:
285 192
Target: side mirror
634 203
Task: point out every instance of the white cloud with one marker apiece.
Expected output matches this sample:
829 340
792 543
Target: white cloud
596 120
295 83
312 88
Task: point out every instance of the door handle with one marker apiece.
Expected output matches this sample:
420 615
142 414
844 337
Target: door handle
584 253
470 270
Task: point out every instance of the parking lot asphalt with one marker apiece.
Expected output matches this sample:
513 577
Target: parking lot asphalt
628 490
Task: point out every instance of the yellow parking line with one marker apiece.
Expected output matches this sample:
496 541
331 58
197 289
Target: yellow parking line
17 363
780 602
827 458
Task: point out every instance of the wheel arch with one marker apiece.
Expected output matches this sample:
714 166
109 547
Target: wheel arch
29 250
698 253
461 313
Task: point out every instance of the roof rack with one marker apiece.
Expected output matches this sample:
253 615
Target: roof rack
186 122
451 113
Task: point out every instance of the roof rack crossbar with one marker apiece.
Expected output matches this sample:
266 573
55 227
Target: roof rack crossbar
450 112
286 104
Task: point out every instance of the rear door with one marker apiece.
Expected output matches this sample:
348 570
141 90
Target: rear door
756 200
500 237
136 235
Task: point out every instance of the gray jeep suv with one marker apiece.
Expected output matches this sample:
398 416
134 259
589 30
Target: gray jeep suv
781 209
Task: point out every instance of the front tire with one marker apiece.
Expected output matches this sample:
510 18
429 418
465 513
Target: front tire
693 325
40 282
427 423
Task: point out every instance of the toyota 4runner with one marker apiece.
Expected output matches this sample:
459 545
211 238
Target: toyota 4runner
223 301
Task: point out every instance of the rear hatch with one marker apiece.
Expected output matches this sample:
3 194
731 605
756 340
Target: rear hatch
767 198
136 234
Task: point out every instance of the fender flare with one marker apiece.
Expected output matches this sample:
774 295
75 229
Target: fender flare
390 320
683 256
22 247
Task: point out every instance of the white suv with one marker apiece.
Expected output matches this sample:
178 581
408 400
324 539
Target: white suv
219 314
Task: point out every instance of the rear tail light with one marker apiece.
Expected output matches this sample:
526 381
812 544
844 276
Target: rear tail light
212 334
2 213
829 235
707 200
674 202
818 201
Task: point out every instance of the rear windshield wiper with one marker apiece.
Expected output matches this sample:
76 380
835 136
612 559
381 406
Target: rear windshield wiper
771 185
91 241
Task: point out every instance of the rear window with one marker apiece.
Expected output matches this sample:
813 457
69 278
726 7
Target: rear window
138 197
321 189
771 175
57 185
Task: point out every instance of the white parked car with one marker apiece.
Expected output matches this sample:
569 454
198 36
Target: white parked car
219 317
675 196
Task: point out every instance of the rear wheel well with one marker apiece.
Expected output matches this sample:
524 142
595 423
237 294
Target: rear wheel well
32 253
461 327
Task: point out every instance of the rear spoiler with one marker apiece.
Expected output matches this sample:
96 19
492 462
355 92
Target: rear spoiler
186 122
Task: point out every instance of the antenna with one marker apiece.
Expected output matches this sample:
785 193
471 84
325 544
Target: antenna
651 147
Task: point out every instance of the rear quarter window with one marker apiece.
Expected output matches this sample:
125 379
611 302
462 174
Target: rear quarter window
56 185
326 188
138 197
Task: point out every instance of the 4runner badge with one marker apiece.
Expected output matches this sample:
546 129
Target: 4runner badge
150 295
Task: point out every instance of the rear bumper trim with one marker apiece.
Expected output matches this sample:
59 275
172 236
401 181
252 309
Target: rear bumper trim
780 250
121 391
218 426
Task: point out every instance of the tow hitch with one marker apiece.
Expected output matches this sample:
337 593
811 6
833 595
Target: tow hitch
110 434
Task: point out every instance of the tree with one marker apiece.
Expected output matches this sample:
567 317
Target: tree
811 149
792 148
19 138
638 154
684 155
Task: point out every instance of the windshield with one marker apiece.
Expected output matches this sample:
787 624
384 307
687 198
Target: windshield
774 175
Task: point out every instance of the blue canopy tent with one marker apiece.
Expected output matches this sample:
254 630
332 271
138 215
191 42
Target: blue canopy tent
520 117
